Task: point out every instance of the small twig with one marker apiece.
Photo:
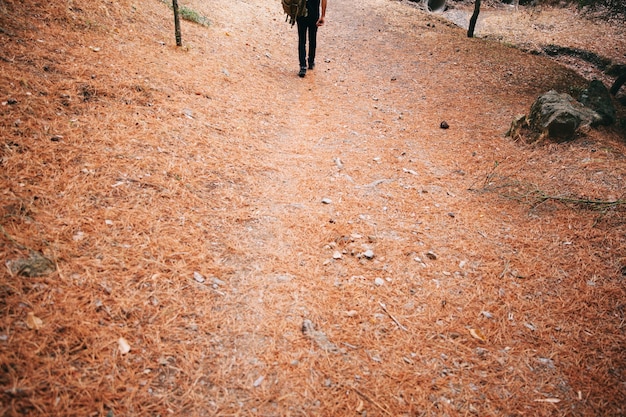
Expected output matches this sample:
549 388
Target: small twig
488 177
143 184
543 197
16 243
375 183
383 409
219 129
505 270
384 307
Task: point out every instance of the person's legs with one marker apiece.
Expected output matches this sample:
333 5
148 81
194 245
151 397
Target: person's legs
302 27
312 43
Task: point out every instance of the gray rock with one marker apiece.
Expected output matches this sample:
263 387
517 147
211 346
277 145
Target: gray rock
217 281
559 116
547 362
36 265
198 277
597 98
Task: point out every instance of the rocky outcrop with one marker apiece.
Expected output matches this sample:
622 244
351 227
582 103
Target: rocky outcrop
597 98
559 117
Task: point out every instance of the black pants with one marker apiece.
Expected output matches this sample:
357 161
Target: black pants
307 24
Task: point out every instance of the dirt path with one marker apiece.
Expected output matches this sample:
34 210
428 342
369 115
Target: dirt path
447 267
270 245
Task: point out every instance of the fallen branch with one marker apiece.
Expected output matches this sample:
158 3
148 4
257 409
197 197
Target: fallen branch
530 193
592 202
489 177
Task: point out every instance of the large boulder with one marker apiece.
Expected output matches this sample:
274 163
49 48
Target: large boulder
597 98
559 117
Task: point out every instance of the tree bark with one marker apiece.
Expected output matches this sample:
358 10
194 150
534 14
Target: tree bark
179 41
474 18
618 83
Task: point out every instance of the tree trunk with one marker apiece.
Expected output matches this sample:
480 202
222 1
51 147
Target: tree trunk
472 23
179 41
618 83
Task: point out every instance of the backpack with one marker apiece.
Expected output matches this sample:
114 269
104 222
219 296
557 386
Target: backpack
294 9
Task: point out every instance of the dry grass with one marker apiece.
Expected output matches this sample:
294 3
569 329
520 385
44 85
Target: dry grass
137 167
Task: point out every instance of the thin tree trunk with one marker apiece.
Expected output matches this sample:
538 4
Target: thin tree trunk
472 23
618 83
179 41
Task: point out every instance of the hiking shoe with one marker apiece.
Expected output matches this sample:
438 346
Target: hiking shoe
311 65
302 72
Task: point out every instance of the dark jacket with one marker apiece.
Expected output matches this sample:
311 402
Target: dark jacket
313 9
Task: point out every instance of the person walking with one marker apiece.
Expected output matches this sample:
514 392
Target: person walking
309 23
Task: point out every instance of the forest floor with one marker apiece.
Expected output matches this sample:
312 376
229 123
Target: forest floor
227 239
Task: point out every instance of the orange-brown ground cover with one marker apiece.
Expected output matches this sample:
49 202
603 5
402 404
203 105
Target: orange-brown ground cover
179 192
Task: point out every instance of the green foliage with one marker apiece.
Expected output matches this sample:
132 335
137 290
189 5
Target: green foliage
189 14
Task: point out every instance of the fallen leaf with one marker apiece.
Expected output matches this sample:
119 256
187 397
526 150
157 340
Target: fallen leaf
123 346
478 335
33 322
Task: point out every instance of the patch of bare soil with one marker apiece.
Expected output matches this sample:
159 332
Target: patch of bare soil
225 238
